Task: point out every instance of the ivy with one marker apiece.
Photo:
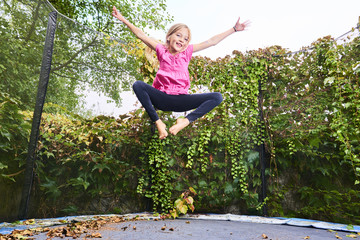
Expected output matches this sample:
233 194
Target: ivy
160 190
199 149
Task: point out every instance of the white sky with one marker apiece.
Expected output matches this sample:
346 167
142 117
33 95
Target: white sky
292 24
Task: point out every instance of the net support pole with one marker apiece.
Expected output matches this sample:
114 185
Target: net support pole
262 158
40 100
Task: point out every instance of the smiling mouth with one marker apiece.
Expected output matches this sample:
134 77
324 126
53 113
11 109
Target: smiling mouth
179 45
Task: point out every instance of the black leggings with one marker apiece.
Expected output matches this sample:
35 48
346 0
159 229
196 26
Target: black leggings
152 99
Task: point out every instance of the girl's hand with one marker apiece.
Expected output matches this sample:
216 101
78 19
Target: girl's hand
241 26
118 15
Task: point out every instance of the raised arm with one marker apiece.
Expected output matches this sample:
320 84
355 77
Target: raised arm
219 37
137 31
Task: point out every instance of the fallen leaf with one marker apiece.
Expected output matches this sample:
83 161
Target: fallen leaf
163 228
264 236
171 229
307 237
29 221
187 222
94 235
124 228
27 232
351 236
134 227
338 237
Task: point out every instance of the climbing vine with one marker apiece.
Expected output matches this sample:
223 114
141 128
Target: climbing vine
198 150
160 190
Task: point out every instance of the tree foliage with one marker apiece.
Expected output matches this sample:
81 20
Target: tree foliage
96 13
82 58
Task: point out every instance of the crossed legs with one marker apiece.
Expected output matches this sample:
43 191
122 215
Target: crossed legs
152 99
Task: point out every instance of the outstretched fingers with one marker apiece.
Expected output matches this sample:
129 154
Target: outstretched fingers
242 26
117 14
115 11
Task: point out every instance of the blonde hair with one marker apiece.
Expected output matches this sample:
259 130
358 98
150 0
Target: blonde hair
176 27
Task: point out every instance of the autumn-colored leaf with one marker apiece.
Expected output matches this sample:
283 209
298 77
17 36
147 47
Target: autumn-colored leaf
27 232
351 236
173 213
189 200
94 235
183 209
29 222
192 207
192 190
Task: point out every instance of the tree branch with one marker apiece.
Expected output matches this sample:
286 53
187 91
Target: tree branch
8 6
32 27
74 56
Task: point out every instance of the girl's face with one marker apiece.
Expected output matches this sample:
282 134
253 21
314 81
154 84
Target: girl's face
178 41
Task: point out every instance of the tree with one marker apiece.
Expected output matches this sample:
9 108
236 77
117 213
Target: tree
82 57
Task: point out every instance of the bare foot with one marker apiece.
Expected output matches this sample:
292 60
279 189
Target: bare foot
161 128
180 124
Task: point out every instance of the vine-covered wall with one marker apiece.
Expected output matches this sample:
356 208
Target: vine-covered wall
310 129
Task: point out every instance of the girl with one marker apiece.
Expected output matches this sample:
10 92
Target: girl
169 91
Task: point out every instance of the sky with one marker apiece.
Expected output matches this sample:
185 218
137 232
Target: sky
291 24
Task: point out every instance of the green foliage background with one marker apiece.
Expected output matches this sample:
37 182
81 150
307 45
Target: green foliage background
80 61
310 129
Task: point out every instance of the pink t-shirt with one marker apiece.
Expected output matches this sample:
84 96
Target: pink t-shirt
173 75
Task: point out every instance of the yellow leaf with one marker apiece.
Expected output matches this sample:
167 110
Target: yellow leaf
192 190
189 200
351 236
29 221
28 232
183 209
173 214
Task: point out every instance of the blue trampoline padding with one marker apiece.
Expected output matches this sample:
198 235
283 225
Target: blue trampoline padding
320 224
7 228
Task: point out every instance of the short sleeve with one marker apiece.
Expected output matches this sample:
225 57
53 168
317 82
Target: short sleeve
160 49
189 51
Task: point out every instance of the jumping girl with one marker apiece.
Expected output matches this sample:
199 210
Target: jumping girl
169 91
